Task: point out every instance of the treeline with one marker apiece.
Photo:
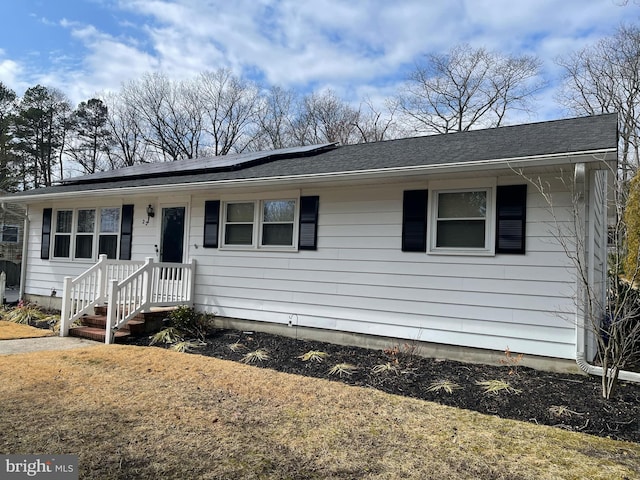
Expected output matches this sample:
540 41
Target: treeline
43 138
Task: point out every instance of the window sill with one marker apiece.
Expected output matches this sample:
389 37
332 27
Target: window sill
462 252
239 248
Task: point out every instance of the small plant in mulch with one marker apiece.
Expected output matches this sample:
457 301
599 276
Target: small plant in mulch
386 368
562 411
512 361
314 356
237 347
167 336
259 355
342 369
443 386
187 346
497 387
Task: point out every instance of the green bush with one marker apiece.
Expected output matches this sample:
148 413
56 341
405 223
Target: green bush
190 323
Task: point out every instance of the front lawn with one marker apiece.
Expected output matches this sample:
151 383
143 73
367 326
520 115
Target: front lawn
145 413
12 331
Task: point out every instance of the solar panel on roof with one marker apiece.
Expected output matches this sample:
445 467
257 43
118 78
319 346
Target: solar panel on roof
220 162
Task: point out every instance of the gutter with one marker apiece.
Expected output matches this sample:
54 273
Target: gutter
25 247
581 360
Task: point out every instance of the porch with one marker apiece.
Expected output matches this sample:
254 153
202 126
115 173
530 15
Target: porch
116 298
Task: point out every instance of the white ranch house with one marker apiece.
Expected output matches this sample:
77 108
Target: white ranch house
437 239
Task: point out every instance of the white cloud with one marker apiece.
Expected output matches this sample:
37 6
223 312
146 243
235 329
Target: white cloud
357 48
10 73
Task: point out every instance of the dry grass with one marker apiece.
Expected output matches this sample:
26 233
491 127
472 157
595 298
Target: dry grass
146 413
12 331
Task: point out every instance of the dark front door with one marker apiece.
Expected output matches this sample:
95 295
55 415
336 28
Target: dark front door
172 238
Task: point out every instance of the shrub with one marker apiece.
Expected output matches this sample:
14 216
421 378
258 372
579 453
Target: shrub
190 323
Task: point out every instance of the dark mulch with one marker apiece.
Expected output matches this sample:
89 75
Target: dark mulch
572 402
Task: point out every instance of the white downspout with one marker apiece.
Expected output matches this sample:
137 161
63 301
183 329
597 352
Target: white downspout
581 360
25 247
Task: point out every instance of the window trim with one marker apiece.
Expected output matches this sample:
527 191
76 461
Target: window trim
257 231
490 218
74 234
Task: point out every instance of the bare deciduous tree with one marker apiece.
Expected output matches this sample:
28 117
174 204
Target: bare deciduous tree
230 107
276 117
468 88
373 125
169 121
128 146
325 118
605 78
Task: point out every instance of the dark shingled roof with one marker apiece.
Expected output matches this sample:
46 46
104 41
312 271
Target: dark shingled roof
584 134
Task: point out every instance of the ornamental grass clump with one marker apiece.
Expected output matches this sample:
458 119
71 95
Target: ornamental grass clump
25 313
314 356
496 387
259 355
342 369
443 386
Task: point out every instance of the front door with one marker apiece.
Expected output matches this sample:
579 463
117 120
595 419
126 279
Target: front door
172 236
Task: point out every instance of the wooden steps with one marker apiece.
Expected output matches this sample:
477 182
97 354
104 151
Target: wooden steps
93 327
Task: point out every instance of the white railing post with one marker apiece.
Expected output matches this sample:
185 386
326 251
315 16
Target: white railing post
3 286
192 279
112 311
147 283
65 313
102 278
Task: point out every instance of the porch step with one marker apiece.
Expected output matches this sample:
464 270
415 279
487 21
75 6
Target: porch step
93 333
93 327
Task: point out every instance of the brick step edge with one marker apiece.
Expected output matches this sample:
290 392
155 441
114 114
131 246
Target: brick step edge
93 333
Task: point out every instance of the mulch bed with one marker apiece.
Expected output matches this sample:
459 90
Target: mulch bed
571 402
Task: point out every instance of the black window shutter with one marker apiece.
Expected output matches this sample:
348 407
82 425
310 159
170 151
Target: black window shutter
308 231
126 232
211 222
46 233
414 221
511 219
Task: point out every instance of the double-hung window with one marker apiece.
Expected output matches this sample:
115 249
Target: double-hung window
109 232
461 219
278 217
239 222
260 223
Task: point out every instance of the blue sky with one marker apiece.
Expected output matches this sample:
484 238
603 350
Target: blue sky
358 48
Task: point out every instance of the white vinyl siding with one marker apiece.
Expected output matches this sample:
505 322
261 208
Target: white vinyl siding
360 281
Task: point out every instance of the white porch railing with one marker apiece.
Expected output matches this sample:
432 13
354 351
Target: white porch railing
128 288
153 285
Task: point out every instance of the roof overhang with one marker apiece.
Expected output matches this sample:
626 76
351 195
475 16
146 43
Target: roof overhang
602 159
